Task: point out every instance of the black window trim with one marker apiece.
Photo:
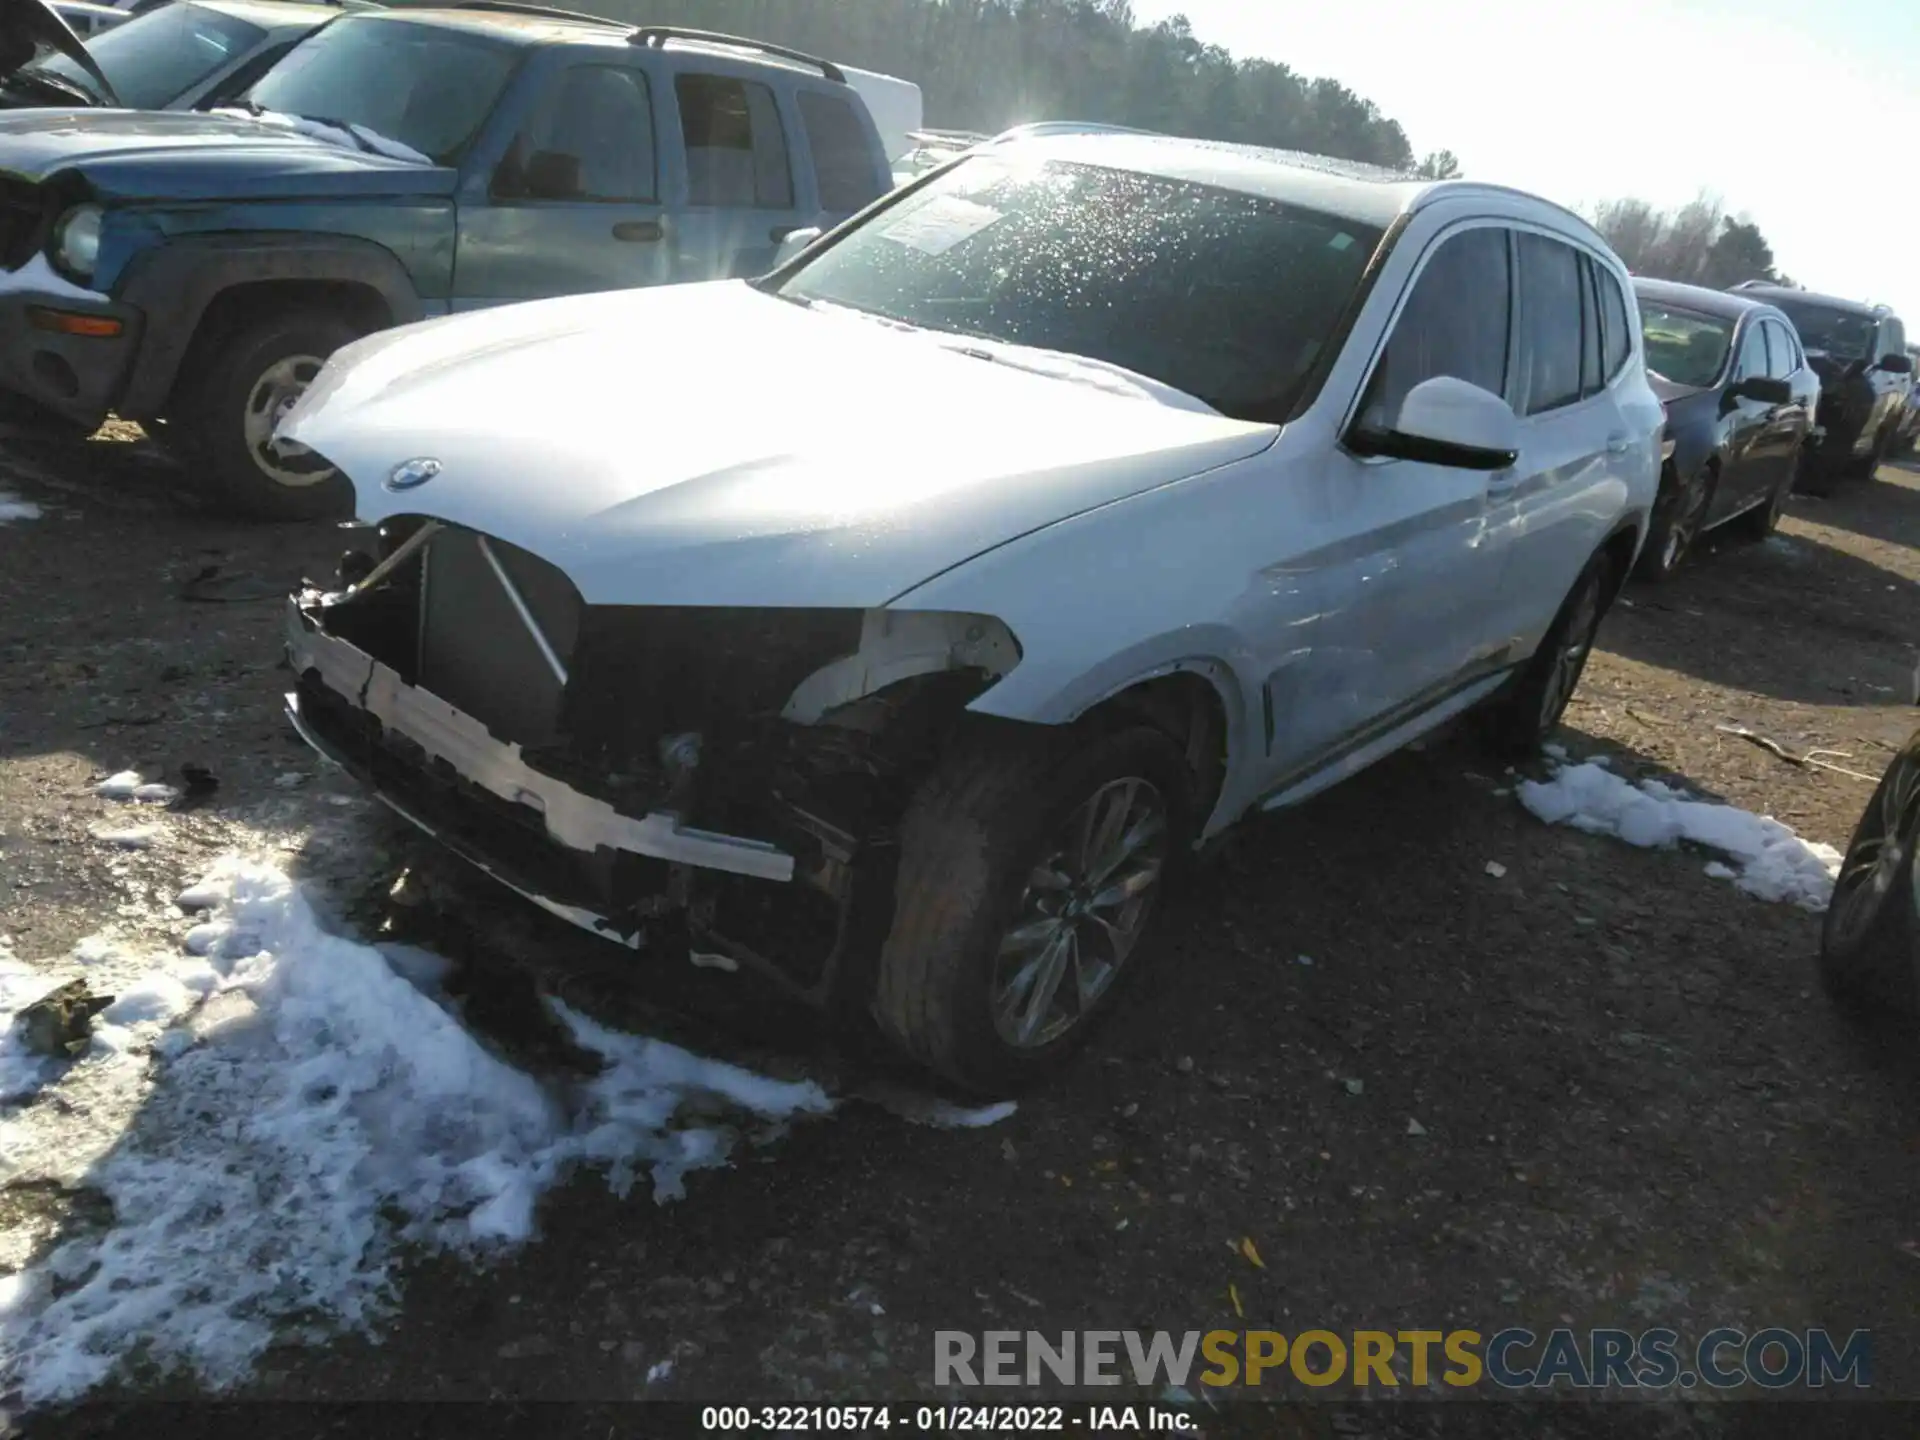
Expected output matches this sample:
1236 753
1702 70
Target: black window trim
1602 272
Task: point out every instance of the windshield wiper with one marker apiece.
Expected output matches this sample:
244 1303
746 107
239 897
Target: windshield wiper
345 127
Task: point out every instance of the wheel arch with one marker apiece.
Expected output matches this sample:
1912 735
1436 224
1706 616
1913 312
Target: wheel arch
194 290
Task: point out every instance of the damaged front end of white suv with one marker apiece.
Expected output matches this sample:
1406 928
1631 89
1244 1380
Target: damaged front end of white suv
651 657
707 779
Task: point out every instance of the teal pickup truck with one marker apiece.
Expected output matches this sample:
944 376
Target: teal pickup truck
193 271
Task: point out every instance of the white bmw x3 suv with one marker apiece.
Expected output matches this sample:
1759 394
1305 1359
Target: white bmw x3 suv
894 625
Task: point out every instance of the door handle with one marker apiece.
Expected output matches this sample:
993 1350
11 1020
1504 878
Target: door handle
1619 444
642 230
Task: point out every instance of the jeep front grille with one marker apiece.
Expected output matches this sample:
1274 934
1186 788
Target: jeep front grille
22 221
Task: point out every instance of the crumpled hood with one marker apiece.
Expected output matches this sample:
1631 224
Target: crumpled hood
29 26
183 155
712 445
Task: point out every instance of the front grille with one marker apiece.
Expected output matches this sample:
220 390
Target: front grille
476 652
23 220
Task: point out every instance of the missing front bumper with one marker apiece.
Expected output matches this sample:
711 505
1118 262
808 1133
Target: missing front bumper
349 685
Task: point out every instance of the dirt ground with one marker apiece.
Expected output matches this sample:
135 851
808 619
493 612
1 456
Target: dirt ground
1633 1105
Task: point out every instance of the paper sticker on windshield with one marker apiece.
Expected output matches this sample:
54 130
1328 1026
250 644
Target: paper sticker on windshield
1340 241
940 224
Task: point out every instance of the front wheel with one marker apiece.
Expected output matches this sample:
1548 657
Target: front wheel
1870 938
1030 866
1528 711
230 415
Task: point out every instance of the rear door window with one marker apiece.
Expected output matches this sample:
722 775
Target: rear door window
1613 315
843 162
736 146
1455 322
1783 356
1550 315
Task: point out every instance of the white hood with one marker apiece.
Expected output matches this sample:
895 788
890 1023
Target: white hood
712 445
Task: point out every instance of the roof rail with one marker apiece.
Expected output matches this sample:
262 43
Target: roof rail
656 37
519 7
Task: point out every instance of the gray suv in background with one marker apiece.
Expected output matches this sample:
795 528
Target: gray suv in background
1860 354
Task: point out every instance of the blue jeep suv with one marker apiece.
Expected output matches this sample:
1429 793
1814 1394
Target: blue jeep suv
193 271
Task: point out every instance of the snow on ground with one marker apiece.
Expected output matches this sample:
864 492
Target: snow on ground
12 507
128 785
1768 859
272 1110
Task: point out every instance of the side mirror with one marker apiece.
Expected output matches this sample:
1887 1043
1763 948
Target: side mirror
1765 389
1448 421
1897 364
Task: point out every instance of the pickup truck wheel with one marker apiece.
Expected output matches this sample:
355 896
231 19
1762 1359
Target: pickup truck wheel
258 374
1030 864
1870 938
1527 712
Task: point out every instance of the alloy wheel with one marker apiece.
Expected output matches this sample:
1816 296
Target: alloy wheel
1570 659
1082 912
274 393
1887 833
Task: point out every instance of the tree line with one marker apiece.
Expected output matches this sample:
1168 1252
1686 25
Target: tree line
1697 244
989 64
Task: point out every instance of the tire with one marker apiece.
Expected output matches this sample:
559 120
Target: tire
1522 717
1868 465
1761 521
981 829
1677 516
256 372
1870 938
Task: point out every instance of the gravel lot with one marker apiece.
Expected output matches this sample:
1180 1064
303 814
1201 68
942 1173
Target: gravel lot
1630 1102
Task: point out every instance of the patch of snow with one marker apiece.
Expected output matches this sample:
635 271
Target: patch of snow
155 794
119 787
924 1109
659 1371
12 508
1768 859
274 1112
353 137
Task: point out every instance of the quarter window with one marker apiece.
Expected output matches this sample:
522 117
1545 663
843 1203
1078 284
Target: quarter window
736 148
843 162
1592 379
1619 328
1454 323
590 139
1550 313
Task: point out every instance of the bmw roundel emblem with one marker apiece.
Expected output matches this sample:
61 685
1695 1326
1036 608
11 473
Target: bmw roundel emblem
409 473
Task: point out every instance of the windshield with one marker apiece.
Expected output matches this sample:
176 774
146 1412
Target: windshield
1840 333
1686 347
426 86
1223 295
155 58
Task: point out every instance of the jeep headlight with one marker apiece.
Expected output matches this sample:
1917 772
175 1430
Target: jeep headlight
76 241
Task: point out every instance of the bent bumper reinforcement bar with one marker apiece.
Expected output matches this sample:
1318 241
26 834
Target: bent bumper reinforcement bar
577 821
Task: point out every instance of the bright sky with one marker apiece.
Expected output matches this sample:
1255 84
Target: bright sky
1805 114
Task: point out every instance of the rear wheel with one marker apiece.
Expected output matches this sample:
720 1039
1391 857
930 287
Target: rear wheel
1528 712
1870 939
229 416
1762 520
1030 867
1677 518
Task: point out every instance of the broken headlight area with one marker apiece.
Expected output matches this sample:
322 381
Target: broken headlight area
716 778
